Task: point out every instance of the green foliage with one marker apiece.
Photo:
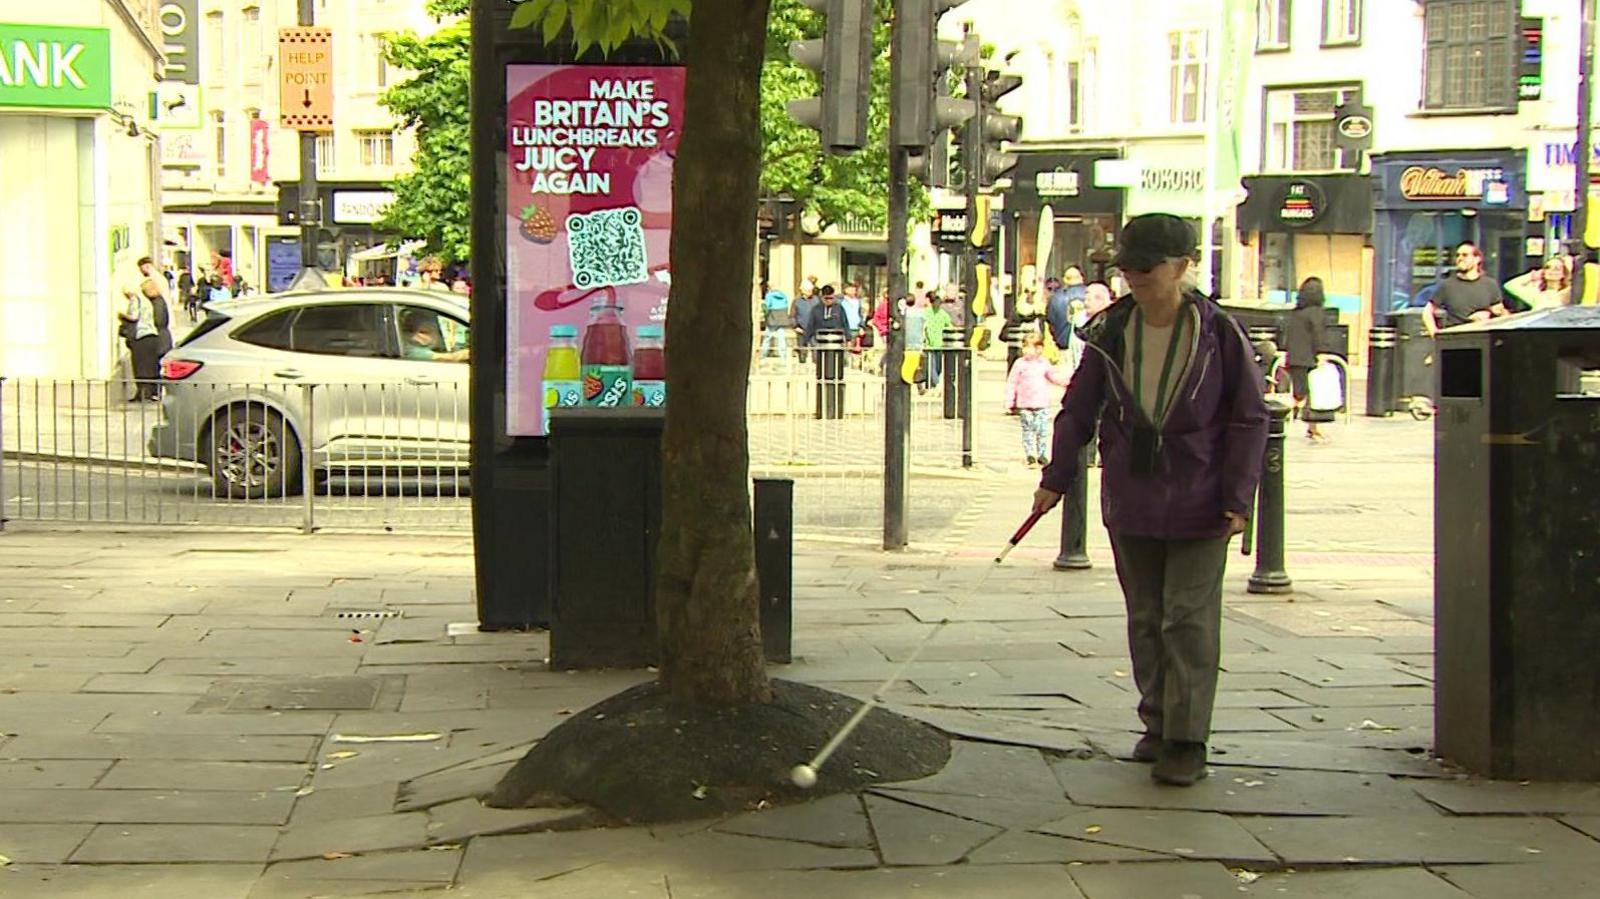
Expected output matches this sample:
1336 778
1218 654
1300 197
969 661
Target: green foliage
606 24
433 203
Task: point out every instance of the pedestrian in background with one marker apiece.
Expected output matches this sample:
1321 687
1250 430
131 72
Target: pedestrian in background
1466 295
1306 326
1029 397
776 323
1173 384
936 324
1545 287
804 305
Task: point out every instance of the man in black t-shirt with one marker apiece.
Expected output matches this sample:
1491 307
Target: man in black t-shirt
1466 296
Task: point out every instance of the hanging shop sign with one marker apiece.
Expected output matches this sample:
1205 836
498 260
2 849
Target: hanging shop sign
1303 203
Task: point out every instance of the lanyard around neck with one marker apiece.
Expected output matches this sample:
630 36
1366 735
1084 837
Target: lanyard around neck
1166 366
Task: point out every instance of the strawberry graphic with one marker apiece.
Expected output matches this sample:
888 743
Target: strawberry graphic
592 386
537 225
638 397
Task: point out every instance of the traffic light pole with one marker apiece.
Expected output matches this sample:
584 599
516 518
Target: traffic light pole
1580 196
897 393
310 209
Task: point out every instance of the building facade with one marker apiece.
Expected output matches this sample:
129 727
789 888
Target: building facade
77 171
226 161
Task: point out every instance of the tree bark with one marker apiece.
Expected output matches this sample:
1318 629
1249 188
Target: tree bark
707 604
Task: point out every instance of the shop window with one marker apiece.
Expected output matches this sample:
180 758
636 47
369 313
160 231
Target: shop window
377 148
1469 64
1187 79
1300 133
327 154
1272 25
1341 22
219 125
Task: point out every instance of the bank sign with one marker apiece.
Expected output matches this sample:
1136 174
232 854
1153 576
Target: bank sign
64 68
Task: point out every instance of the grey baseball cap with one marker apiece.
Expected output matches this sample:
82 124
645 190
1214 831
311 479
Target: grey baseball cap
1151 239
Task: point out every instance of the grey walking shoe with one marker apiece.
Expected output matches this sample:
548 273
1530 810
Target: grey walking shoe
1148 749
1181 764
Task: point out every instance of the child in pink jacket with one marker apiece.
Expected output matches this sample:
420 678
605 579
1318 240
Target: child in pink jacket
1028 393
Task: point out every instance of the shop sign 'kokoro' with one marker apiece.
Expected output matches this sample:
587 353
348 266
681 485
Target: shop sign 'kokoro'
305 78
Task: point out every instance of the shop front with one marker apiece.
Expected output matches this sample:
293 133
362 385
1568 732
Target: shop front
1083 218
351 211
1169 175
1428 203
1292 227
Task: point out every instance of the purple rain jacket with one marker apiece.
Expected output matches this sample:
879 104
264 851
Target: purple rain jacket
1212 439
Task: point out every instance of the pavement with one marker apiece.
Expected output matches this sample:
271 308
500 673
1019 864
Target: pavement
221 715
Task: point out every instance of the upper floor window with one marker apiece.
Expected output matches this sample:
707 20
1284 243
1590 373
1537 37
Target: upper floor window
250 44
1187 80
1272 25
1341 22
216 57
1300 133
380 66
377 148
219 125
327 156
1470 62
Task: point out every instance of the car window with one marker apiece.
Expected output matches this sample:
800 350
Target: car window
270 330
424 333
347 329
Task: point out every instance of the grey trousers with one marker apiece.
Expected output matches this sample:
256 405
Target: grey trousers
1173 590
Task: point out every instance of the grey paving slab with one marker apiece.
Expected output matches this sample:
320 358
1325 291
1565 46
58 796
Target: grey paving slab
18 774
253 724
1381 883
162 775
329 804
168 843
1357 697
342 664
436 865
42 680
131 663
464 819
213 881
537 856
316 888
507 882
1252 791
705 851
1010 812
376 763
995 726
984 769
313 693
1256 699
354 835
1586 824
1373 718
1487 797
1156 880
188 747
1422 840
48 844
1502 881
450 785
1281 752
66 806
1020 847
838 820
962 882
1181 834
911 835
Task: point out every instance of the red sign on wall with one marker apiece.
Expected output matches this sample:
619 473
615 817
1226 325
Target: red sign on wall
258 151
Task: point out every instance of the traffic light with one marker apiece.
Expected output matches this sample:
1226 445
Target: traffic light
842 59
920 61
992 128
932 165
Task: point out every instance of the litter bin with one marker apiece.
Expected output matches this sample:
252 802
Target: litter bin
606 519
1517 677
1381 345
829 352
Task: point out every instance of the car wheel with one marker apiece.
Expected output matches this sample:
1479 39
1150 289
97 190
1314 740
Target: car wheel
253 454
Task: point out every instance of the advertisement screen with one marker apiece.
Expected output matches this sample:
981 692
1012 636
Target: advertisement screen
589 153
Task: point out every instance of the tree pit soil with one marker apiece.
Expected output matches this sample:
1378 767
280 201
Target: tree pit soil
641 757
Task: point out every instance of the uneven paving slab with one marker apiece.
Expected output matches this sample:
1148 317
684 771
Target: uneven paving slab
999 811
624 881
178 747
1383 883
838 820
1487 797
311 888
963 882
984 769
334 803
1181 834
706 851
911 835
162 775
1558 879
21 774
48 844
994 727
173 843
1423 840
467 818
212 881
526 858
1251 791
1588 825
143 807
1156 880
1415 718
1287 753
355 835
1020 847
452 784
424 865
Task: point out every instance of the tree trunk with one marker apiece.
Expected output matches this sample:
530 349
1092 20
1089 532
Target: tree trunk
706 596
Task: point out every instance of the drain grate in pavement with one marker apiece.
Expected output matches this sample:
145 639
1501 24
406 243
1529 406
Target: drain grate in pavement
369 613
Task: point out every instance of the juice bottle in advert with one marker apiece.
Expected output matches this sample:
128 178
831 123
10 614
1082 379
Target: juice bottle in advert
607 379
650 367
563 371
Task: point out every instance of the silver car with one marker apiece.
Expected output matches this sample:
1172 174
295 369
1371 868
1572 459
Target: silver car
362 383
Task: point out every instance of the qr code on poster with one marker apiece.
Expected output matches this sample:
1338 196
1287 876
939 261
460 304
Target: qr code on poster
607 248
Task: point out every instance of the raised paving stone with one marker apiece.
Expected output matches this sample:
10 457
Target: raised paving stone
1484 797
1238 791
1018 847
467 818
911 835
834 821
163 843
1422 840
327 804
996 810
1560 879
1384 883
983 769
430 865
312 840
1179 834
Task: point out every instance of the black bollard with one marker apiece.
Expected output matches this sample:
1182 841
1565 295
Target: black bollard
1269 576
964 360
1074 554
949 379
829 353
1382 344
774 536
